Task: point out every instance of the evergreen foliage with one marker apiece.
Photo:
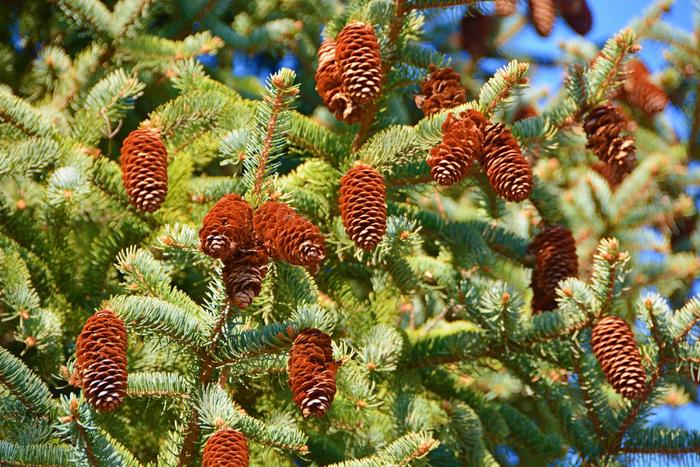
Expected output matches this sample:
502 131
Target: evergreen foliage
440 358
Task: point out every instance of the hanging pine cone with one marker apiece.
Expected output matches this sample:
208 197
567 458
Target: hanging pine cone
616 350
555 259
244 272
363 205
227 225
227 447
542 13
442 89
604 126
505 7
506 168
329 85
577 15
612 173
641 92
288 236
462 143
144 162
101 360
357 54
312 372
476 33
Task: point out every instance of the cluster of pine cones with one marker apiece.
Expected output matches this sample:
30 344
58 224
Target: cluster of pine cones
349 74
245 241
477 28
471 138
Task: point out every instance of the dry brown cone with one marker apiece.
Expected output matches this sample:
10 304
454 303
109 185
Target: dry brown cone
462 143
555 259
227 226
506 168
442 89
617 352
101 360
329 85
641 92
312 372
475 33
227 447
612 173
144 162
524 112
604 126
288 236
357 55
577 15
244 272
506 7
363 205
542 13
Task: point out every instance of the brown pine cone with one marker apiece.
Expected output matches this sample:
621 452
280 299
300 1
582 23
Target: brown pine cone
617 352
357 54
506 7
604 126
476 33
288 236
506 168
101 360
462 143
312 372
442 89
227 225
329 85
363 205
227 447
641 92
577 15
542 13
612 173
144 162
555 259
524 112
244 272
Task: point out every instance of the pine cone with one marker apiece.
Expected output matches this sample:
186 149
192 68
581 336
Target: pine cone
462 143
506 168
288 236
227 225
363 206
329 85
476 30
442 89
227 447
641 92
144 162
312 372
616 350
244 272
542 13
357 54
604 126
524 112
612 173
101 360
506 7
555 260
577 15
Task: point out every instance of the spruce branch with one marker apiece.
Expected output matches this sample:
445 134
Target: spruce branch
503 87
268 138
24 384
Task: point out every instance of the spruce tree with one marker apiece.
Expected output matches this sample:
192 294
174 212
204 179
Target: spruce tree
389 256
